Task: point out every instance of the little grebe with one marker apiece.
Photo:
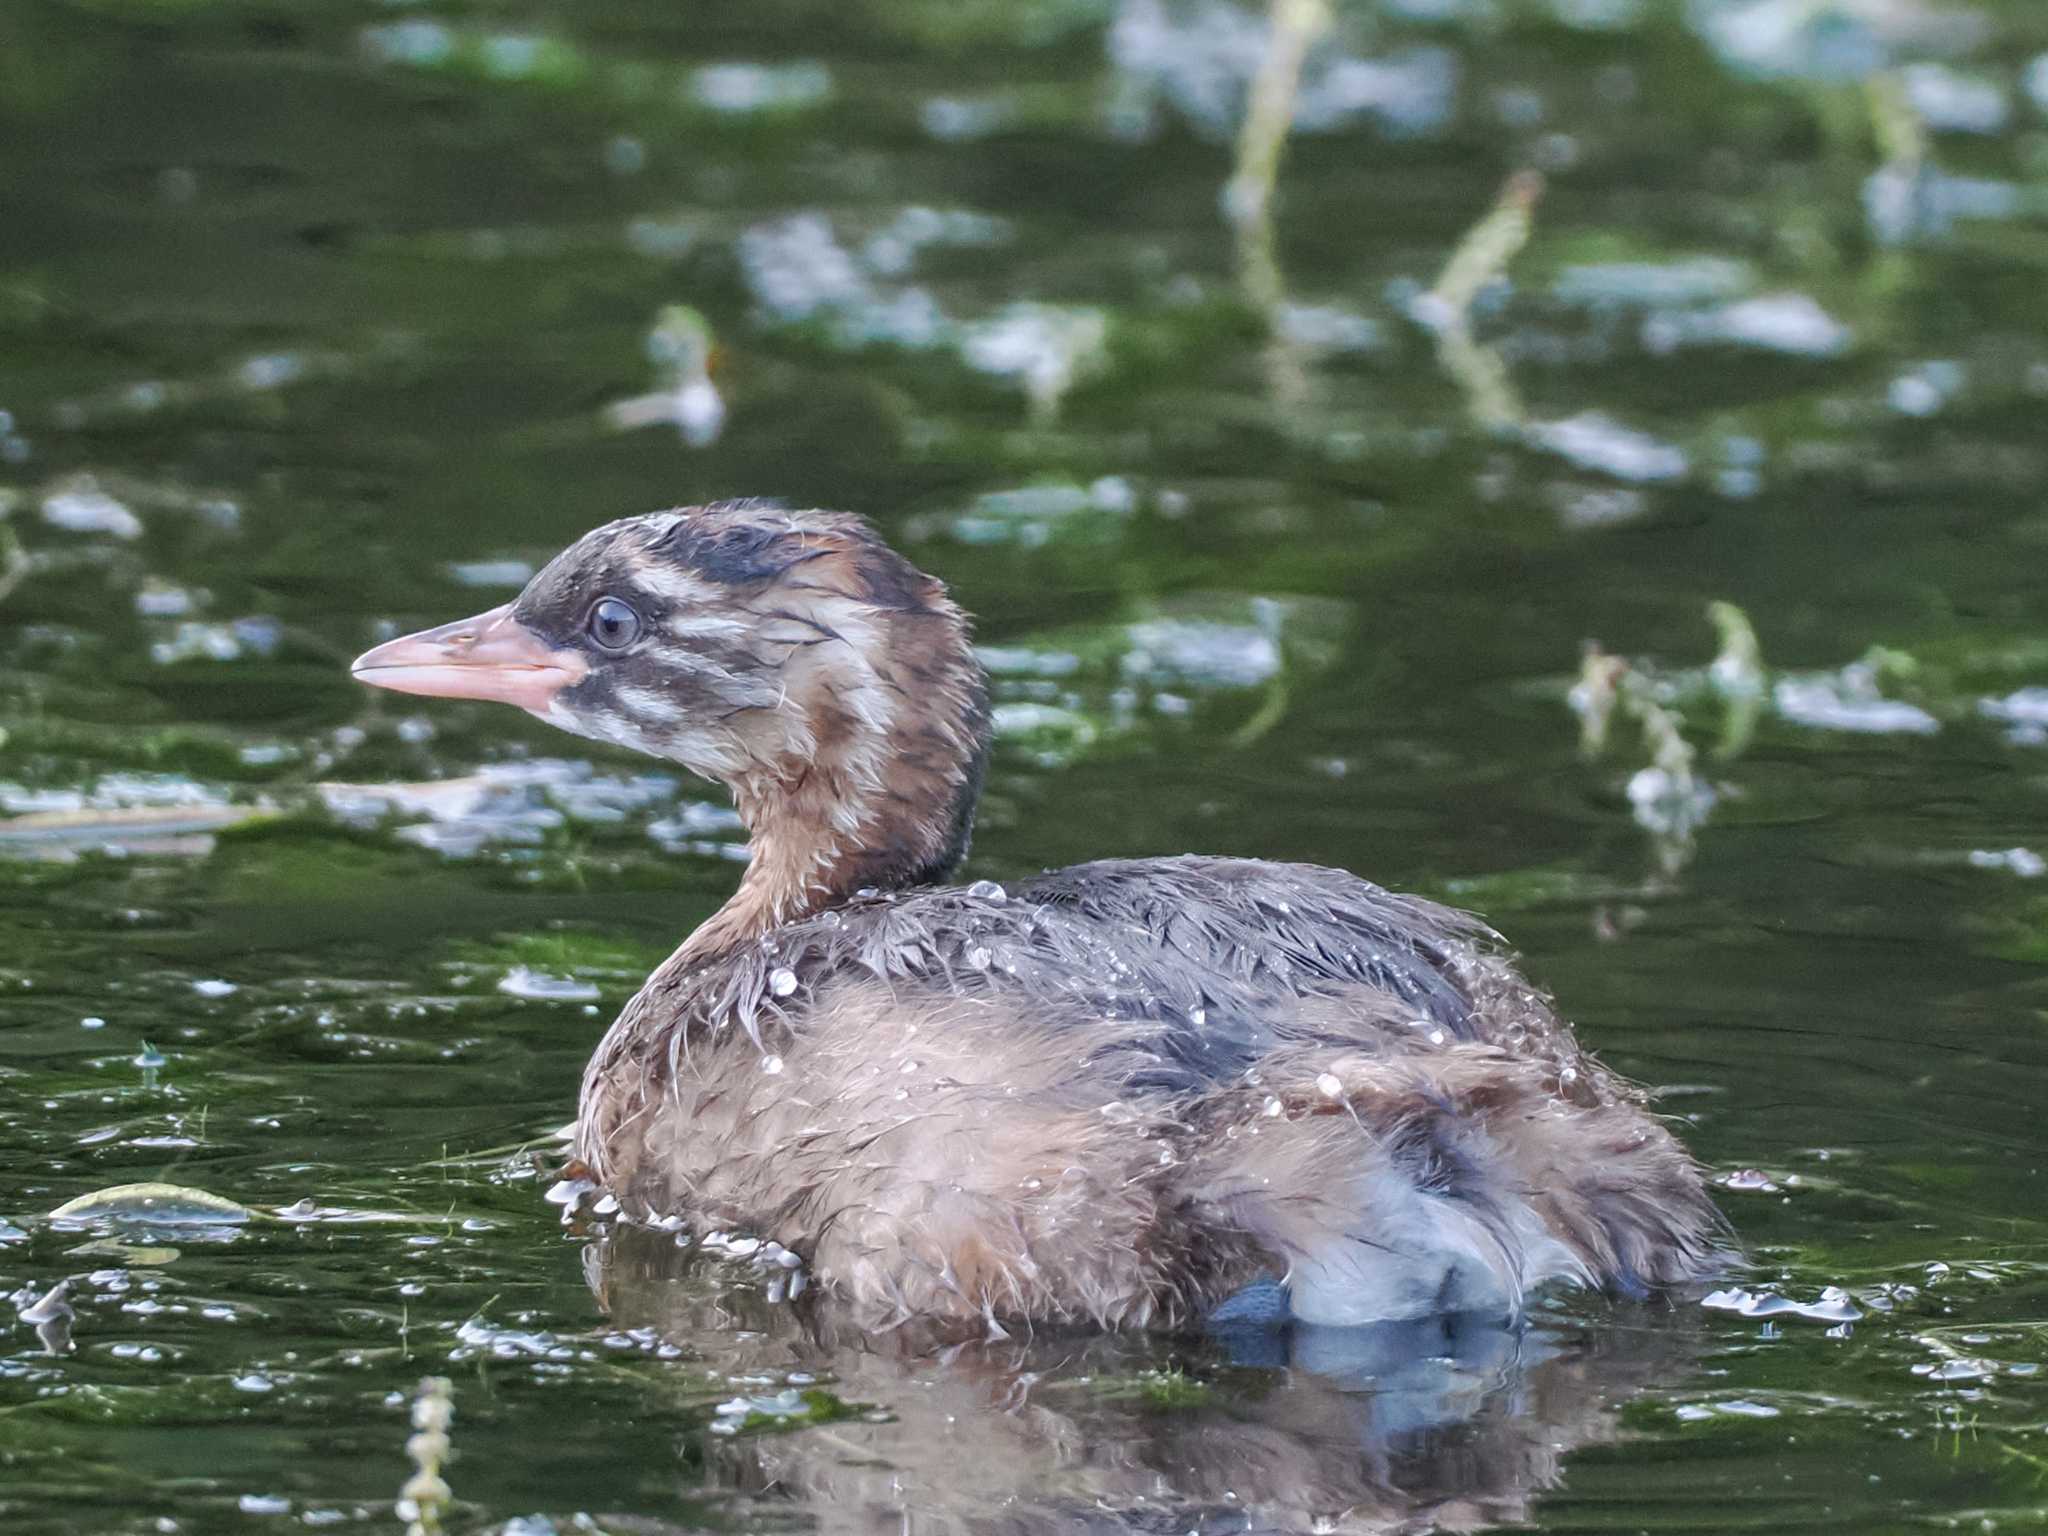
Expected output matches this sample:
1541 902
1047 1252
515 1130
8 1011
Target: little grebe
1133 1092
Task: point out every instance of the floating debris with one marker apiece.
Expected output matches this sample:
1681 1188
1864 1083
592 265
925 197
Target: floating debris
1205 654
84 508
1750 1181
1923 390
680 348
501 803
477 1336
1201 57
701 828
1835 1305
1033 515
1727 1407
1831 40
1681 284
797 270
1960 1368
1849 701
62 836
1026 661
1050 734
512 57
1793 324
1328 328
2023 706
2024 712
539 986
159 599
569 1191
1951 102
1593 441
892 250
491 573
743 90
2024 862
51 1316
960 119
153 1205
417 44
192 641
1046 348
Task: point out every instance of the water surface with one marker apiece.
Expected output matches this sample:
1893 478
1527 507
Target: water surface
321 321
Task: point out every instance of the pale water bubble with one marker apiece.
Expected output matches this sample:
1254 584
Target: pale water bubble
1848 701
1835 1305
988 890
1963 1369
772 1065
2024 862
1596 442
538 986
87 509
1329 1086
782 981
492 573
1753 1180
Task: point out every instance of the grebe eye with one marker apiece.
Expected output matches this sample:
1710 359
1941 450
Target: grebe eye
613 625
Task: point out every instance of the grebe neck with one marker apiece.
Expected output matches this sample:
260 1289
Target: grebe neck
881 794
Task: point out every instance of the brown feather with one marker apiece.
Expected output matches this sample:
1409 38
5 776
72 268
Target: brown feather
1112 1094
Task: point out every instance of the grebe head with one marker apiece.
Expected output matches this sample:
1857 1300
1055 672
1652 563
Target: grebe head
791 655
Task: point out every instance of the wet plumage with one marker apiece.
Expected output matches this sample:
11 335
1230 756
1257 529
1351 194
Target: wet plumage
1128 1093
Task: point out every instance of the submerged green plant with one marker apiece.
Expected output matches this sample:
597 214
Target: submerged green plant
1480 257
1269 114
1171 1390
1737 672
1667 795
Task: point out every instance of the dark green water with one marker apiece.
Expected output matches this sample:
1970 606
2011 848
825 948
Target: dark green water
299 313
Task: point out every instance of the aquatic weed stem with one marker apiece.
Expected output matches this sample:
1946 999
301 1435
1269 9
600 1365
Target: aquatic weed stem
1269 113
425 1495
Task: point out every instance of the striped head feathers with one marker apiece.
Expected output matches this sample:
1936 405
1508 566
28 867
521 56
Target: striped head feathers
791 655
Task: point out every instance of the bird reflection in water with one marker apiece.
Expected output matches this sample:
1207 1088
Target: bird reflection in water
1454 1423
